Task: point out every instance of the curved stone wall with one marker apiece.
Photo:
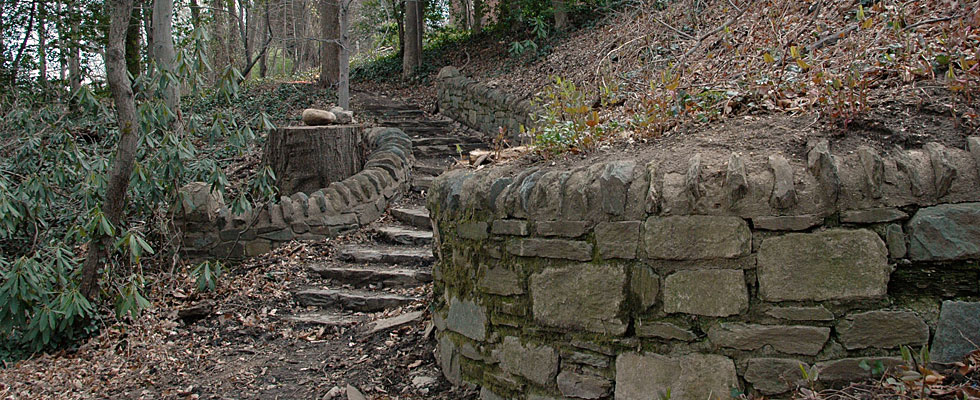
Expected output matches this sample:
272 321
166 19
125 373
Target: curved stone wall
210 230
480 107
699 274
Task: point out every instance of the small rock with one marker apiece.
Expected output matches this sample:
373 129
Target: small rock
423 381
354 394
314 117
334 392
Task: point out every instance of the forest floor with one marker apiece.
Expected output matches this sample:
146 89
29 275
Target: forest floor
234 342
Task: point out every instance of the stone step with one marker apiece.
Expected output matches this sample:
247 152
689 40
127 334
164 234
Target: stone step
415 216
444 140
368 275
403 235
420 183
390 323
419 122
328 319
387 254
429 169
447 150
352 300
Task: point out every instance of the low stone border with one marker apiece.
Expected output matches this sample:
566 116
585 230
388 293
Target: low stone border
627 278
209 230
480 107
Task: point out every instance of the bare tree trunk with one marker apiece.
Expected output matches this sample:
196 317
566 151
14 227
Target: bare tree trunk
133 43
330 48
163 50
561 14
343 82
400 22
122 165
195 14
267 34
421 23
411 58
236 20
477 26
74 68
42 48
23 44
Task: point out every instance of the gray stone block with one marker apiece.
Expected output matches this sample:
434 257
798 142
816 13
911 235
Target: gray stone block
895 239
716 293
945 232
834 264
514 227
580 297
551 248
537 363
472 230
568 229
447 357
500 281
645 285
842 371
583 386
958 332
613 185
882 329
774 375
467 318
693 376
696 237
617 239
797 339
873 216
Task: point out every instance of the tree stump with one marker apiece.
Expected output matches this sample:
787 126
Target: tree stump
309 158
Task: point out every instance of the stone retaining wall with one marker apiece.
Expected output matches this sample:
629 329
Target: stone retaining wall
480 107
623 279
210 230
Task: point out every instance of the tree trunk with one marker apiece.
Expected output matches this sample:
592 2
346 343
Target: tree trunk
400 23
330 48
42 48
561 14
266 31
195 14
411 58
122 165
421 23
236 20
163 50
477 26
133 43
343 81
23 44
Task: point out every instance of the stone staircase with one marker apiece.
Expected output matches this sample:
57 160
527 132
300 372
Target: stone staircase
437 142
374 276
391 269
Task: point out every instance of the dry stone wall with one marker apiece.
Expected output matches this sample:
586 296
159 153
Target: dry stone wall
480 107
627 278
209 230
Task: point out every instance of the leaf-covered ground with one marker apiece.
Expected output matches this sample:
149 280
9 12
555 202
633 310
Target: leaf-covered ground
234 343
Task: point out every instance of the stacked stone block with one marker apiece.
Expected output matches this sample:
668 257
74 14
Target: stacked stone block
480 107
629 278
210 230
